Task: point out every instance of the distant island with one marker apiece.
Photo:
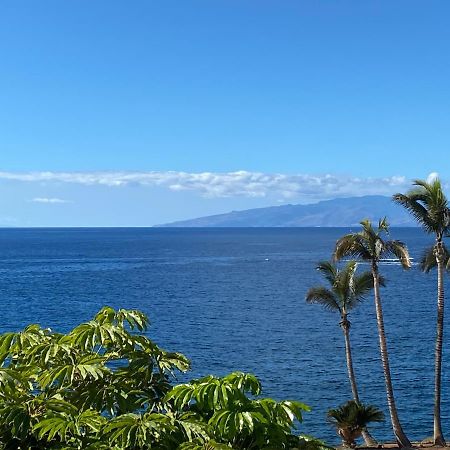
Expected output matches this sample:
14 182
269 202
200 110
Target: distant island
339 212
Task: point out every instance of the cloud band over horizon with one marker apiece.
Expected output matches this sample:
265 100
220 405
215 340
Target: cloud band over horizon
285 187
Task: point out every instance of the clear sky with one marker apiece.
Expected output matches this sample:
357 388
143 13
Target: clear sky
287 91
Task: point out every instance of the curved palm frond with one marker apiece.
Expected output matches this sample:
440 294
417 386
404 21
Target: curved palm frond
328 270
428 205
324 297
352 245
411 203
400 251
368 245
432 190
346 290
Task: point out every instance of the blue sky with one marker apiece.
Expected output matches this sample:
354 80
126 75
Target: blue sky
289 92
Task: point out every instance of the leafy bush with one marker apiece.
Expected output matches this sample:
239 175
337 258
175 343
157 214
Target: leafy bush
105 385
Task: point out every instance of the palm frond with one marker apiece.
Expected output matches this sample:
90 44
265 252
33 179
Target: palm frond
368 230
417 210
432 192
400 251
428 259
328 270
344 281
324 297
352 245
346 290
428 205
354 415
383 225
362 285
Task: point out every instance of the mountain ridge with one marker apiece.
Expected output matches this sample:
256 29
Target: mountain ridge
338 212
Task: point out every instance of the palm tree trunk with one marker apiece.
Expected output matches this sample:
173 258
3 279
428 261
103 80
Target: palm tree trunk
345 325
438 436
400 436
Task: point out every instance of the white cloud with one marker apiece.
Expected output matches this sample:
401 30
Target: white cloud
432 177
48 200
298 187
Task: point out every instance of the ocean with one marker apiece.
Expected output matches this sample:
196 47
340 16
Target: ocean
233 299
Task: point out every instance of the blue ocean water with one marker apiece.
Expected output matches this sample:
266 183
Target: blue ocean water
233 299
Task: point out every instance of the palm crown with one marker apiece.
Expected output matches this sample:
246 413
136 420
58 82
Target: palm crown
369 245
429 206
346 291
354 415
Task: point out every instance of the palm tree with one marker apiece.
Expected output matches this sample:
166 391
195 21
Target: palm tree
429 206
346 292
368 245
352 418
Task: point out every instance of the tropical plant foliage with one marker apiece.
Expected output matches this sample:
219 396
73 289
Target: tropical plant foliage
354 415
428 258
352 418
347 289
429 206
105 385
369 245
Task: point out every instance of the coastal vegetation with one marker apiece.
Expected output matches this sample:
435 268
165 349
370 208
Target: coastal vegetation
368 245
106 385
429 206
346 291
352 418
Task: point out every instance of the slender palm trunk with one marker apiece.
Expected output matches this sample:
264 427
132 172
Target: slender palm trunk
345 325
400 436
438 436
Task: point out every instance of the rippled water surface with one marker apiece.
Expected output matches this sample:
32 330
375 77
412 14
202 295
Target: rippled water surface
233 299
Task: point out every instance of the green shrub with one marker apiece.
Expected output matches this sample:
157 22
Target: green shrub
105 385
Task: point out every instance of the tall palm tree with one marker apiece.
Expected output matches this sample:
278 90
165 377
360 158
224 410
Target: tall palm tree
429 206
368 245
346 292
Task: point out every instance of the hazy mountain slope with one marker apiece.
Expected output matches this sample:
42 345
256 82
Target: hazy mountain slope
340 212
